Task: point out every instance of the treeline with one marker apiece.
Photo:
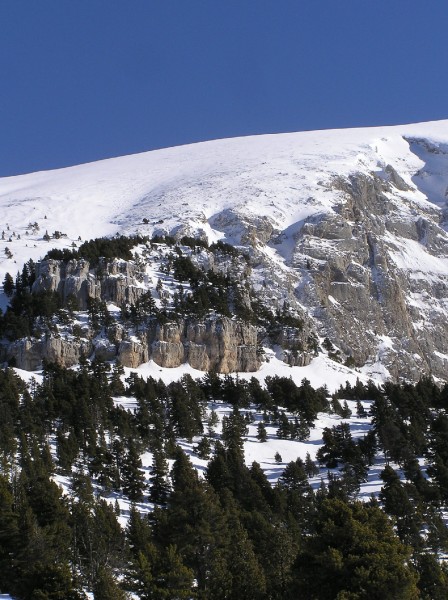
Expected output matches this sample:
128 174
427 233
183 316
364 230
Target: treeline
94 250
229 534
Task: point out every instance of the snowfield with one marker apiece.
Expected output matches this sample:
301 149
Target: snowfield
285 177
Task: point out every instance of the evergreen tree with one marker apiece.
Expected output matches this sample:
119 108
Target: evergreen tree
285 428
9 535
204 448
174 579
106 587
397 503
159 489
353 553
433 577
194 522
360 410
262 435
132 476
234 428
311 469
8 285
247 576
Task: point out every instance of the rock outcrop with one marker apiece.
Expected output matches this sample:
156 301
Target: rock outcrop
369 273
222 344
359 292
28 354
114 281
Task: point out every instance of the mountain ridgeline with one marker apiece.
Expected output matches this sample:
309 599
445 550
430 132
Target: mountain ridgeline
324 228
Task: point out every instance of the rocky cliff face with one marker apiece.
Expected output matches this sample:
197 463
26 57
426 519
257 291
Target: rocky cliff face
227 345
28 354
114 281
222 344
347 277
360 293
347 229
371 273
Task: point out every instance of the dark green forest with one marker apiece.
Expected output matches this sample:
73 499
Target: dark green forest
228 533
222 532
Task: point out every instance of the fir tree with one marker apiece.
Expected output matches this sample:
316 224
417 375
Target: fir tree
106 587
204 448
8 285
159 487
311 469
353 553
262 435
132 476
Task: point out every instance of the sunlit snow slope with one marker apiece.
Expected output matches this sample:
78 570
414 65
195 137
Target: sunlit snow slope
260 191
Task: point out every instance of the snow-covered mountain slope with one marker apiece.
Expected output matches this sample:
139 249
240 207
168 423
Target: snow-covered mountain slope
348 226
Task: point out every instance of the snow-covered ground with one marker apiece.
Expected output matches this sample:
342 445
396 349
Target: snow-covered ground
321 371
285 177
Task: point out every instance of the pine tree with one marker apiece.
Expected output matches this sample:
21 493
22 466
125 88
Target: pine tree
106 587
285 428
9 534
234 428
159 487
262 435
174 579
397 503
212 421
353 553
346 413
8 285
360 410
204 448
433 577
248 580
132 476
311 469
194 521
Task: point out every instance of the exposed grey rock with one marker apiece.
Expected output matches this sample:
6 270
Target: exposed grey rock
132 353
223 344
396 179
28 354
342 276
115 281
360 294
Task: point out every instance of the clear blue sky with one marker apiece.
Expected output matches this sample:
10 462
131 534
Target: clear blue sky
82 80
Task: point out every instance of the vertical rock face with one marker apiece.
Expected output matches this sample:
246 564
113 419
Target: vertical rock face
132 353
28 354
217 343
114 282
362 292
220 343
368 270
